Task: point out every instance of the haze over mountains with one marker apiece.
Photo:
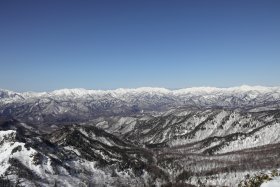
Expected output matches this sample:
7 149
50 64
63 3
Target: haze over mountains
141 137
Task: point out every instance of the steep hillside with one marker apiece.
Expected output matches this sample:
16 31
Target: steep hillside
75 155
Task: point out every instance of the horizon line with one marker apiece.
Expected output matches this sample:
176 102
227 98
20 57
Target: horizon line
146 87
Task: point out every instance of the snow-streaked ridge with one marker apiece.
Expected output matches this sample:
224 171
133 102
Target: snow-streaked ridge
82 104
151 90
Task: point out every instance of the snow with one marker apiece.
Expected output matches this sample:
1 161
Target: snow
5 134
275 182
25 156
7 144
252 91
45 170
123 125
267 135
240 89
71 148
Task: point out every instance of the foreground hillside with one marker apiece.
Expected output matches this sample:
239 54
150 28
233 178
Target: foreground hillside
195 147
73 155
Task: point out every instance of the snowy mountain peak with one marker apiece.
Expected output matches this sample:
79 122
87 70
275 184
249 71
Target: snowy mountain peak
81 104
151 90
70 92
240 89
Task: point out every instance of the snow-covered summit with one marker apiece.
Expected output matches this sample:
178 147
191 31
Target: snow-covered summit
239 89
150 90
86 104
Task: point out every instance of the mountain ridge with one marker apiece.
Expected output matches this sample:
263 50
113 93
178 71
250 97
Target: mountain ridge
82 104
203 89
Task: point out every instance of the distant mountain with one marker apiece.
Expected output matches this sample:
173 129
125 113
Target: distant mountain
82 105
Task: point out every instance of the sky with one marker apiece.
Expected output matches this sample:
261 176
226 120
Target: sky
108 44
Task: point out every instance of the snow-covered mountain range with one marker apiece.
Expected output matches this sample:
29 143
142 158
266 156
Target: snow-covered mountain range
81 104
141 137
251 92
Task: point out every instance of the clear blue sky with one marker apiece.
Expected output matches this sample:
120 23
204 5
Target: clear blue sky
107 44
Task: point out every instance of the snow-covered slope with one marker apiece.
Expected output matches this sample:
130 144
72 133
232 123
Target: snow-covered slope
275 182
190 146
73 156
206 146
